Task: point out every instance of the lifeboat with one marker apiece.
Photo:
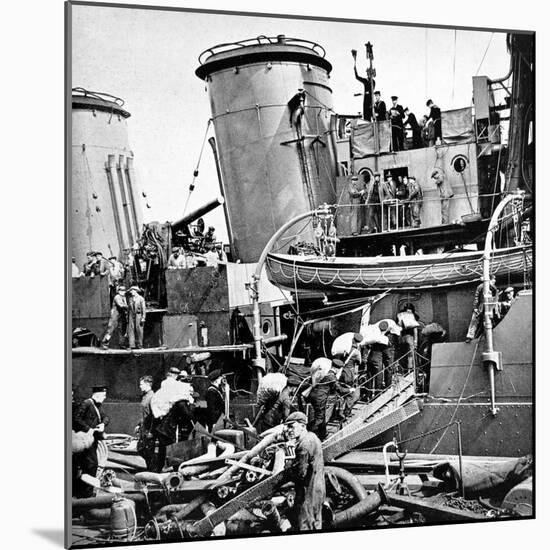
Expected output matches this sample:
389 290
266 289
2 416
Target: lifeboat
394 272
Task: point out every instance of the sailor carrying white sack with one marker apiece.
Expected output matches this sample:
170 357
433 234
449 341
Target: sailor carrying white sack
408 321
347 348
171 406
380 337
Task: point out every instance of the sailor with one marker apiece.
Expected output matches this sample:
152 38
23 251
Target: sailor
90 416
210 236
222 256
89 267
372 205
119 318
215 400
387 200
380 360
396 117
414 202
407 319
475 326
432 333
410 120
176 260
101 266
323 399
506 303
401 196
347 380
198 231
368 85
211 256
275 408
116 275
307 471
146 437
427 132
356 192
75 270
136 317
171 407
380 113
445 195
434 118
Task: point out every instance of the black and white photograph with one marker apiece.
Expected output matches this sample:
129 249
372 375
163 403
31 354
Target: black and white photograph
300 275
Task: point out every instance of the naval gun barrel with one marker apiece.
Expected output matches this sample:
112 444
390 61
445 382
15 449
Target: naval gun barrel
197 213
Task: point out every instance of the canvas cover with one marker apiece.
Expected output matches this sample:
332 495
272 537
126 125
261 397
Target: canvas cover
362 138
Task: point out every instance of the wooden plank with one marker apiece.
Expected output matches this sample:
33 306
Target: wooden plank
376 458
163 350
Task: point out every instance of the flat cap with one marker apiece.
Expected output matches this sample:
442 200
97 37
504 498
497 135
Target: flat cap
98 388
296 417
357 337
394 97
173 370
214 375
338 363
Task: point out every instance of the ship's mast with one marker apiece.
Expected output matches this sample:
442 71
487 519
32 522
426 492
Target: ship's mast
371 73
521 47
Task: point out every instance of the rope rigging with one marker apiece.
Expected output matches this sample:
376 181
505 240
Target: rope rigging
196 171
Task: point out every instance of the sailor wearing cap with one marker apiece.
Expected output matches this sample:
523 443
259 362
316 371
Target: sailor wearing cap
215 400
396 117
380 113
380 360
116 275
356 192
119 318
75 270
90 416
324 397
414 202
176 260
136 317
445 194
508 297
308 473
372 204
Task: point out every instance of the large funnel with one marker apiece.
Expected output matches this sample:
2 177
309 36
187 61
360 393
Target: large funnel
275 145
105 203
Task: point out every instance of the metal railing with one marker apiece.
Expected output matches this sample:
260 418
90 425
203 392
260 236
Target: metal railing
258 41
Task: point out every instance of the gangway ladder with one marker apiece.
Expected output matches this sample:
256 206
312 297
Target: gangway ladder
391 407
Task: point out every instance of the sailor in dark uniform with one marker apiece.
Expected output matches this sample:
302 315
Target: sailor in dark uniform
396 118
215 401
380 113
90 417
367 90
410 120
308 473
435 118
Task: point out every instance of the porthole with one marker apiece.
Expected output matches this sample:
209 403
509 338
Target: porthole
266 327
